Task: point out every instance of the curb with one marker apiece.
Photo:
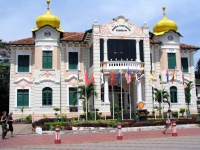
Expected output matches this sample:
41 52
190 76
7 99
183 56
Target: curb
183 126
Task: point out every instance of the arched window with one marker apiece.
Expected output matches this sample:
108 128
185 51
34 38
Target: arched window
173 94
47 96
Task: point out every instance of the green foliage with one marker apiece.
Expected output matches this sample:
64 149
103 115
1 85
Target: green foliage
182 111
85 92
117 112
44 116
175 114
49 124
161 95
22 110
56 109
28 119
51 128
91 115
189 87
62 127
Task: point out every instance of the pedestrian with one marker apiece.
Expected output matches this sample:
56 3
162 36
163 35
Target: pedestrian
168 121
10 122
3 124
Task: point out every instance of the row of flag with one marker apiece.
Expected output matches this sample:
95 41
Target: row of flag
127 76
173 74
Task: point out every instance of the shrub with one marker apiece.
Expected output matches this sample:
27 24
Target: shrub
42 121
28 119
175 114
55 123
68 128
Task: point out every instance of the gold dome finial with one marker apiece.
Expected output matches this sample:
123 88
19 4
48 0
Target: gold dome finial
164 14
48 2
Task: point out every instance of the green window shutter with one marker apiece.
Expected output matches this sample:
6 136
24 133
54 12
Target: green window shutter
26 97
173 94
47 60
73 60
47 96
23 97
26 63
19 98
184 62
171 60
71 97
23 63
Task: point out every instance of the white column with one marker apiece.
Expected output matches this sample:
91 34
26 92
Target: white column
137 50
106 91
139 91
105 50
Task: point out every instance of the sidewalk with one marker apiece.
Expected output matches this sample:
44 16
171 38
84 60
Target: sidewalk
48 140
20 129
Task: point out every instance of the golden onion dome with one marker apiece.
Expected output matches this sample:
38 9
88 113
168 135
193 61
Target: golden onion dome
48 19
164 25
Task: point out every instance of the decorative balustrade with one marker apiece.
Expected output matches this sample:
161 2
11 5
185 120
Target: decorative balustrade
123 65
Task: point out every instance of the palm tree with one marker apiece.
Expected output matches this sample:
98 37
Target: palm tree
188 88
85 92
158 97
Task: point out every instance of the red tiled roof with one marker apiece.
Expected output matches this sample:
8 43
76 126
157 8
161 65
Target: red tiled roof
185 46
72 36
77 36
23 41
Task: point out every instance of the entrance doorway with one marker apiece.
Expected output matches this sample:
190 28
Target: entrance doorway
117 96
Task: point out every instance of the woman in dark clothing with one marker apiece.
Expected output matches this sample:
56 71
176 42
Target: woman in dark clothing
3 124
168 121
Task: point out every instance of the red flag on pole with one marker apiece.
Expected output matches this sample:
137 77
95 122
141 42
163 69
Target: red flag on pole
86 78
112 78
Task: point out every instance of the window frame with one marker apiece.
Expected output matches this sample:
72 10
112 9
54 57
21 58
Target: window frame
51 59
72 49
21 52
169 67
16 99
172 100
69 97
47 96
187 64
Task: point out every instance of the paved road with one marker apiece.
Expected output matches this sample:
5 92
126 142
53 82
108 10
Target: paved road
187 139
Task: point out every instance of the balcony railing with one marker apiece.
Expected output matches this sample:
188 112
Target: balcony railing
197 81
123 65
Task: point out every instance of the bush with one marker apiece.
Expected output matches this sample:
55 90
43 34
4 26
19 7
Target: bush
28 119
42 121
68 128
174 114
55 123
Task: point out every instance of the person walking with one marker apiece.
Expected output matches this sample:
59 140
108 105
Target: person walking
10 122
168 121
3 124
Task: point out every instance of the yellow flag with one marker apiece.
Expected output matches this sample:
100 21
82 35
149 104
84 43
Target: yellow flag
150 77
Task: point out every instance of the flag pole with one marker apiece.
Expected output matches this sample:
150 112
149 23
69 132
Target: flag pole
161 93
129 100
86 98
113 103
77 90
121 94
95 115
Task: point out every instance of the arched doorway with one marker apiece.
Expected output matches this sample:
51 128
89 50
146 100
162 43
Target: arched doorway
117 95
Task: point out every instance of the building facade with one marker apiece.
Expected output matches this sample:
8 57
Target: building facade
44 68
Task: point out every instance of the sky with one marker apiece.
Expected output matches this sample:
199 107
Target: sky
18 16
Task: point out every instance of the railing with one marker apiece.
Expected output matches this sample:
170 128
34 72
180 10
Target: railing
123 65
197 81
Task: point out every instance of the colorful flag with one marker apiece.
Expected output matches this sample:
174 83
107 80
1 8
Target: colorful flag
112 78
160 77
119 78
167 75
150 76
102 77
141 75
86 78
128 76
93 81
173 75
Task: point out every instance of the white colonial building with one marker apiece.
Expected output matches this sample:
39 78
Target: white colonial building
43 72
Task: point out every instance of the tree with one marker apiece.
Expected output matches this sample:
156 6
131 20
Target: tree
197 72
188 88
158 97
83 92
4 77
